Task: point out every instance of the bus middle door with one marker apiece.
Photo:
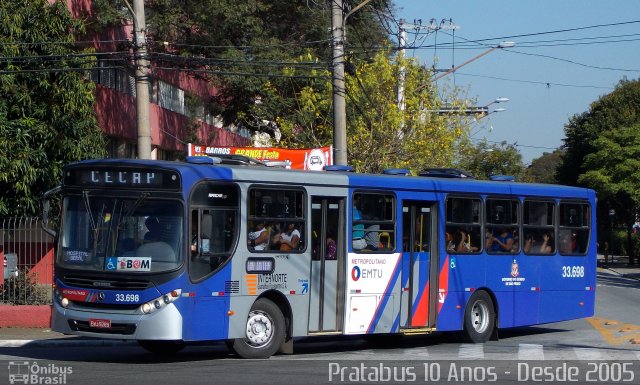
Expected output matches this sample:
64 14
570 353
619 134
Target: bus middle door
326 286
419 265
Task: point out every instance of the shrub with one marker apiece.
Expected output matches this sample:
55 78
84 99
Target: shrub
21 290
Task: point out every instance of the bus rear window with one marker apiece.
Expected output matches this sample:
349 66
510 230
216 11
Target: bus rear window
574 230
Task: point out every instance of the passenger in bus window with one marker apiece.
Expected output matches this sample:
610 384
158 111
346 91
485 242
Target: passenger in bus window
331 251
358 229
372 237
502 241
290 238
529 242
461 244
567 242
547 243
259 238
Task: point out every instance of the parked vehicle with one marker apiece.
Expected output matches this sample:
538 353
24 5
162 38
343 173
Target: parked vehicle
10 264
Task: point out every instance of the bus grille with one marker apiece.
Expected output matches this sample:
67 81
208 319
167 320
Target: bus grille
116 328
105 284
109 306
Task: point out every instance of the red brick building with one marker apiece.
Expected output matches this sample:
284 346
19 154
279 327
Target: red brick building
172 110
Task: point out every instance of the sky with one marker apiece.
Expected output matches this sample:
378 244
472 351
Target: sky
547 77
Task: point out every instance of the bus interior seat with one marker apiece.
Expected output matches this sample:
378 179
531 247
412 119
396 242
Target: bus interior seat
157 251
384 239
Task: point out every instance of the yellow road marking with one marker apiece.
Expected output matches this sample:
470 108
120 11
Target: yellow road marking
615 332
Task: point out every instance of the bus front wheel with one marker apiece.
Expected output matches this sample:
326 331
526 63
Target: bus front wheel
479 318
264 331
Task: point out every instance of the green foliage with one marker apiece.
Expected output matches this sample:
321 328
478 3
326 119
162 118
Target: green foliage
614 170
620 108
379 134
543 169
46 115
484 159
21 290
247 44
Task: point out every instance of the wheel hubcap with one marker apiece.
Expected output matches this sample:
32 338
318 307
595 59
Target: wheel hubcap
480 317
259 329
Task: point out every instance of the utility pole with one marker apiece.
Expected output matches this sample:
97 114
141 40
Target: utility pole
402 43
141 78
338 82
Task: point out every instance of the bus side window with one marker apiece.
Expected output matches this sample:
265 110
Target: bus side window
502 225
463 229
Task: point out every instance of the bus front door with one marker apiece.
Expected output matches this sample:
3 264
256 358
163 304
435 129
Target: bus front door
419 265
326 286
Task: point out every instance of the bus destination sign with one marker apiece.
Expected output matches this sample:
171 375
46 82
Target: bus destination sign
131 178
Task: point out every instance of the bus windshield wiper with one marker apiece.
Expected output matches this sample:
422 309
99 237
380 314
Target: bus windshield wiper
85 197
134 206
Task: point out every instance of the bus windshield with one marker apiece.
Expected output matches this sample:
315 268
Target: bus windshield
113 234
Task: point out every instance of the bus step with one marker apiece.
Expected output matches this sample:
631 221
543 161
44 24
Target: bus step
414 331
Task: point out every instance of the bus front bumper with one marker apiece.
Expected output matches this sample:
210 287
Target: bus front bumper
165 324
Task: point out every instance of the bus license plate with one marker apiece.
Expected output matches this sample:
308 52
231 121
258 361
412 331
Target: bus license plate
99 323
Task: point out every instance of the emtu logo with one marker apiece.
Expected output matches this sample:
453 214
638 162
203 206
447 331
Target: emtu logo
355 273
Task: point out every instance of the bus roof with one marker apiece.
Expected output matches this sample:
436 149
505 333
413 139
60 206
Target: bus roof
230 172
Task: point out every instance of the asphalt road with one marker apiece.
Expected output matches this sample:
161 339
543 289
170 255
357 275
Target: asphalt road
602 347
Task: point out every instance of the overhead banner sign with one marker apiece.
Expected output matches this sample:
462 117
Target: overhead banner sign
301 159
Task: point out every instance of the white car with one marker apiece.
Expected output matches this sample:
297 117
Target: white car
10 265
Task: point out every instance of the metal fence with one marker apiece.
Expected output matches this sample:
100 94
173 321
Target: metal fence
27 268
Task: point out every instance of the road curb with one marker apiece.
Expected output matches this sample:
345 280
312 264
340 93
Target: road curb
64 343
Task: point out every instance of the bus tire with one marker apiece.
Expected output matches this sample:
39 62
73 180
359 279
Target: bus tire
264 331
479 318
161 347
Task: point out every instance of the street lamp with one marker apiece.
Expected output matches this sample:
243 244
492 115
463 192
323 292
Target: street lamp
609 249
504 44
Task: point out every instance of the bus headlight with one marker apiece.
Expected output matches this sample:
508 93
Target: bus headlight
160 302
63 301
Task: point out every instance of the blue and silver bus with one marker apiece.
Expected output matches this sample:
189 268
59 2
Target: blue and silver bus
211 249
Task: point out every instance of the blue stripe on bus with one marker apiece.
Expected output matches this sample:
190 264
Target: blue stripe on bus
385 298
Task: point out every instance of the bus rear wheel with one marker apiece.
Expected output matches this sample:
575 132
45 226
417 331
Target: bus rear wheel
479 318
264 331
161 347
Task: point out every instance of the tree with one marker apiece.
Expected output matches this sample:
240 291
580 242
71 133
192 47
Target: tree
620 108
237 45
614 172
379 135
543 169
46 105
484 159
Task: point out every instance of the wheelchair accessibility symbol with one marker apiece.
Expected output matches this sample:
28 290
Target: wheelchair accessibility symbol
112 263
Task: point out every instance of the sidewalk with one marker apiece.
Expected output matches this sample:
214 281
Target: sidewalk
618 266
44 337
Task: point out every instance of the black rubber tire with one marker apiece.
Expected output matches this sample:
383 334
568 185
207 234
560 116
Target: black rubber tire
479 318
162 347
265 331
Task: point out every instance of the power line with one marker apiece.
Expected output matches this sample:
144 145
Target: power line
559 59
575 62
535 82
556 31
515 144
